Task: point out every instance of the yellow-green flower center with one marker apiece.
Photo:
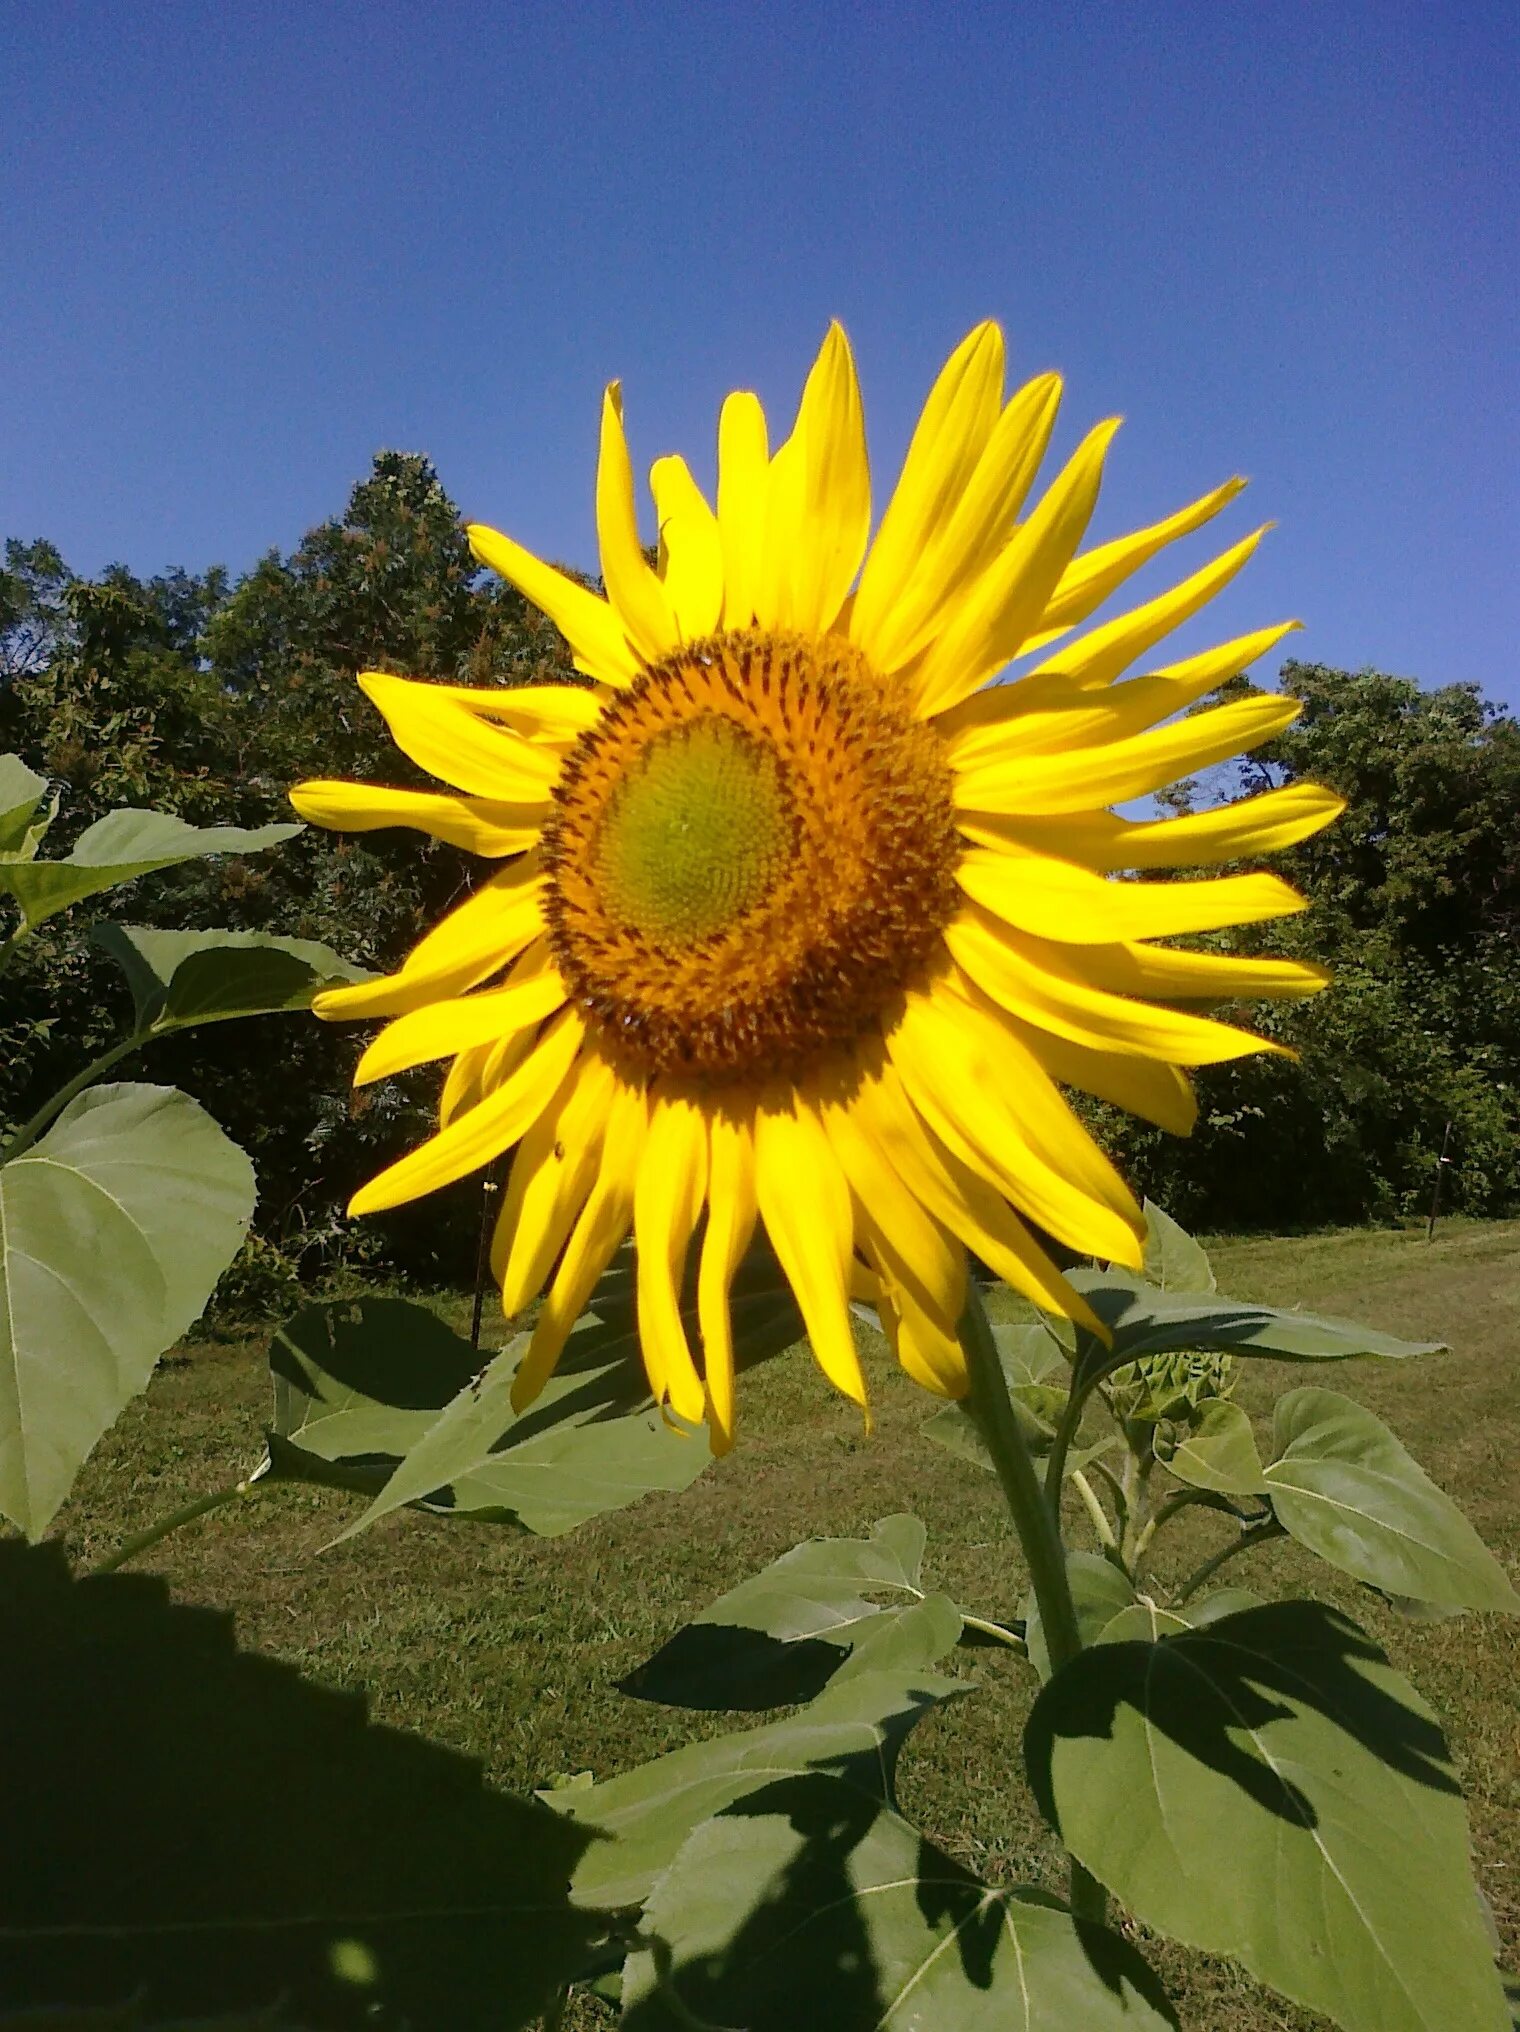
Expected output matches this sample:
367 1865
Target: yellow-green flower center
697 833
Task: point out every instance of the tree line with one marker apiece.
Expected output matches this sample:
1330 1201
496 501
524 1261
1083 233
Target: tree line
208 697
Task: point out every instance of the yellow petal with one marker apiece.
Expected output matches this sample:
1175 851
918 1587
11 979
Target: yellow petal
994 616
743 479
533 991
902 1229
805 1204
476 940
482 1132
950 437
1046 987
819 503
1200 976
980 525
552 1174
667 1200
1095 660
556 714
1144 1086
731 1207
632 584
987 1097
925 1344
958 1196
587 622
442 737
488 828
1047 715
597 1236
480 1071
1088 580
1243 831
690 546
1111 772
1060 901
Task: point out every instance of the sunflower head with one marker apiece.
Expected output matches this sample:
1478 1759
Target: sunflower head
794 916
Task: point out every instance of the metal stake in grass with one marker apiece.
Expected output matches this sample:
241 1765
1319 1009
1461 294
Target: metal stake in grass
490 1186
1435 1198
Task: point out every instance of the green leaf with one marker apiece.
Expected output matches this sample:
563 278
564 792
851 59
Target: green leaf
1146 1321
1269 1787
854 1729
114 1228
120 847
1099 1592
586 1445
21 791
357 1383
780 1636
1218 1451
179 978
1031 1357
1344 1486
1173 1260
1151 1620
811 1903
194 1830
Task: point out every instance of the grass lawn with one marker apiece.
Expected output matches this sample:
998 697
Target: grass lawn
507 1647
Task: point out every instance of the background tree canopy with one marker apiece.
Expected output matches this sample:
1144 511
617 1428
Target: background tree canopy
209 698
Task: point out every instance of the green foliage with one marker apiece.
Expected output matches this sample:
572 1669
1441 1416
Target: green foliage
817 1876
784 1634
114 1228
208 700
377 1396
1269 1787
1415 908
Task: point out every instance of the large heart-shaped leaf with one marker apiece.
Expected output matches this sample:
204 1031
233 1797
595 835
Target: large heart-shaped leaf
1269 1787
781 1635
812 1903
193 1829
179 978
1217 1451
1173 1260
854 1729
586 1445
114 1228
357 1383
1344 1486
1146 1321
120 847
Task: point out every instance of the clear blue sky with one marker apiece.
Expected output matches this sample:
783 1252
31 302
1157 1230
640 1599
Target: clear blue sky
245 246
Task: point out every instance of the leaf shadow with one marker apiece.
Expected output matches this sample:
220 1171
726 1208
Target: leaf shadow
197 1829
731 1666
1240 1674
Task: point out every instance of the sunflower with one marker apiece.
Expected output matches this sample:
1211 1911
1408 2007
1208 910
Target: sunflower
800 920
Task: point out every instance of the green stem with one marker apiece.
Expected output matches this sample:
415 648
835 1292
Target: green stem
1060 1446
1095 1511
1185 1499
1038 1531
994 1630
27 1135
1259 1534
142 1541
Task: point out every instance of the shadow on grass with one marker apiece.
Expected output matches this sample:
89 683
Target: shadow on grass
191 1829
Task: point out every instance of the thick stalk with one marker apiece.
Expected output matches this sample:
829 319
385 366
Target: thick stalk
1038 1531
1060 1446
143 1541
27 1135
